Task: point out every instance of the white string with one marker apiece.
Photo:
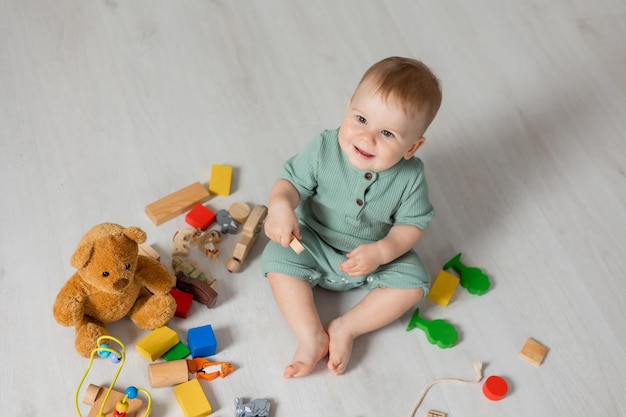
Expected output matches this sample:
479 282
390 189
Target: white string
478 368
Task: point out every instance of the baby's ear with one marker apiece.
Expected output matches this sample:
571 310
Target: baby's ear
416 145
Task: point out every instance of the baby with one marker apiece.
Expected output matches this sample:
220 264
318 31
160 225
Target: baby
357 198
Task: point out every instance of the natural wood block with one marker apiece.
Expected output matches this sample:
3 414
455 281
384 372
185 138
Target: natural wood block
176 203
149 251
296 245
533 351
433 413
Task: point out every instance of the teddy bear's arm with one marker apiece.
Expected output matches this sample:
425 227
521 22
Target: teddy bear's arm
153 275
68 306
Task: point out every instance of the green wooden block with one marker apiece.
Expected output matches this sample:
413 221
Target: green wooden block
180 351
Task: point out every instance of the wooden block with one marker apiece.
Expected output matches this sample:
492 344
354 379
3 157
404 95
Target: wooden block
147 250
202 341
433 413
168 374
443 288
157 342
192 400
176 203
296 245
200 217
221 177
180 351
95 396
533 351
183 302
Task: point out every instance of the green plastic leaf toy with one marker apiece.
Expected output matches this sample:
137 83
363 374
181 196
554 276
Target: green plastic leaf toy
439 332
472 279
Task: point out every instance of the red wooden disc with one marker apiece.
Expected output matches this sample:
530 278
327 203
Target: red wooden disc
495 388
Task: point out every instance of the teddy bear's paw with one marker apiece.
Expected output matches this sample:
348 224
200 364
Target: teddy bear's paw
87 336
153 311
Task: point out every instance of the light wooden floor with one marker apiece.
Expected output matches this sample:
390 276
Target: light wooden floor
106 106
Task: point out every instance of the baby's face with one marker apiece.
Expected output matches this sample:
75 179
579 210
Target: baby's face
376 134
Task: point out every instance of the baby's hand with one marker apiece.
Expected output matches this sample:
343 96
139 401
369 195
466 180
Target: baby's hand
361 261
281 223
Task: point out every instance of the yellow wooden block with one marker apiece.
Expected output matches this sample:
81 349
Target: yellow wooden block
221 177
443 288
533 351
192 400
157 342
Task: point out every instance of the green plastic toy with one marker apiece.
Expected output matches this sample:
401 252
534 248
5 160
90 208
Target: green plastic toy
472 279
439 332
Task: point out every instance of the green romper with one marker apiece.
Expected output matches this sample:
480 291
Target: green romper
341 208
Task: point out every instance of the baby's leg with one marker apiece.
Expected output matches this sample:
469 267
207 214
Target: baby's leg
295 301
378 308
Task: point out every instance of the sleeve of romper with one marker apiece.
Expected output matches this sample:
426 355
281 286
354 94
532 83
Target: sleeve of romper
415 208
301 169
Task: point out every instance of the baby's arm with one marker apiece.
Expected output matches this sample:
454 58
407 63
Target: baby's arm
281 222
366 258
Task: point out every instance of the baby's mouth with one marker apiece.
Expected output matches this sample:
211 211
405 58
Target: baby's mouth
362 153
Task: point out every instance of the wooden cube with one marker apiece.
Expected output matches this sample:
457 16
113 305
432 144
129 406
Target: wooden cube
533 351
200 217
201 341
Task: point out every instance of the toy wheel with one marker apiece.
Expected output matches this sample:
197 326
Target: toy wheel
233 265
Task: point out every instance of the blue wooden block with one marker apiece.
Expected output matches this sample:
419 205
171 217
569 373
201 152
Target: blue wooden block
201 341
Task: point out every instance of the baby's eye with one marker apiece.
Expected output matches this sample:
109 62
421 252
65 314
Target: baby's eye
105 274
361 119
127 266
387 134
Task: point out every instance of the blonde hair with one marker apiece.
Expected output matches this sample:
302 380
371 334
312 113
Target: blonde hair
408 81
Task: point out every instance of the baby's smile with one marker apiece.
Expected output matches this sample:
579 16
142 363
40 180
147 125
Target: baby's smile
362 153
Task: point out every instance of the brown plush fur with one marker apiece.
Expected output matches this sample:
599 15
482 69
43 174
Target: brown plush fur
112 281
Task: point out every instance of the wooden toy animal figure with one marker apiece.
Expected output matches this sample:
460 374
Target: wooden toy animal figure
113 281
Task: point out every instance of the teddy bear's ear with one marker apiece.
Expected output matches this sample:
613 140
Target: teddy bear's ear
135 233
82 255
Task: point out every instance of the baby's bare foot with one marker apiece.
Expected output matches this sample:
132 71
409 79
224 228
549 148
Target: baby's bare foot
340 347
307 355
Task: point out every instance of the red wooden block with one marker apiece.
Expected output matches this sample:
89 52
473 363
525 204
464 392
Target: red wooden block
183 302
200 217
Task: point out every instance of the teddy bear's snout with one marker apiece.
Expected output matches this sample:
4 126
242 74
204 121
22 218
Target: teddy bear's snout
121 284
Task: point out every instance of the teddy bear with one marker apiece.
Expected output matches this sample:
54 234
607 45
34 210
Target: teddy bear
113 281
